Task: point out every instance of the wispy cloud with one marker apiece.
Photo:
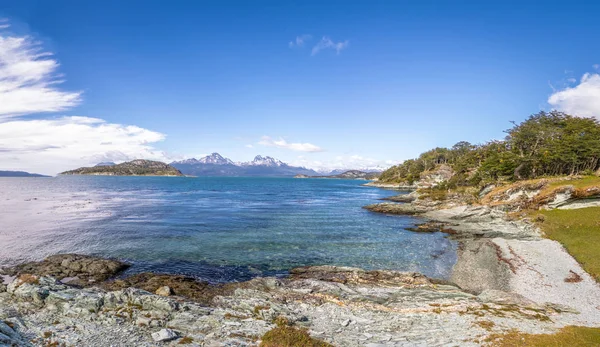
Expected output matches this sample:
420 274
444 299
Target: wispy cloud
299 41
581 100
596 66
281 143
28 79
327 43
249 146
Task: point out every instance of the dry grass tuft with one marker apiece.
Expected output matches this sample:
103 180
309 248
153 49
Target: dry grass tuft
285 336
573 277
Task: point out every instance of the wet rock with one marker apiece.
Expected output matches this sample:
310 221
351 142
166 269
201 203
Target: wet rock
88 269
432 227
164 335
342 274
188 287
164 291
393 208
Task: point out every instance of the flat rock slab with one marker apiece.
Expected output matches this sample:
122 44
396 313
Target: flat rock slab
557 279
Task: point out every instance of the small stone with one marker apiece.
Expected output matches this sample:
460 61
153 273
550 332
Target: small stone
164 335
143 321
164 291
346 322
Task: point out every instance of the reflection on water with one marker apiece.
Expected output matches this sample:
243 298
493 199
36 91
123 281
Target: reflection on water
219 229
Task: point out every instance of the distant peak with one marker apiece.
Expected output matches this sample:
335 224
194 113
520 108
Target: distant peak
259 160
214 158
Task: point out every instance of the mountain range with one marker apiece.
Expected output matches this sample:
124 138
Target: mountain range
350 174
217 165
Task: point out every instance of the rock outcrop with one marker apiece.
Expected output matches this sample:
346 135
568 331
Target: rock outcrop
74 269
342 306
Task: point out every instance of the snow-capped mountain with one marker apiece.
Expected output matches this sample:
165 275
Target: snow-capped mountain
216 165
214 158
264 161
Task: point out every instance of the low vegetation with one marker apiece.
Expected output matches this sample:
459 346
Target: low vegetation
578 230
566 337
287 336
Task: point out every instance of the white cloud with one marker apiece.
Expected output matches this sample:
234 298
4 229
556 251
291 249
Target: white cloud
28 79
596 66
353 162
249 146
327 43
281 143
29 84
582 100
299 41
55 145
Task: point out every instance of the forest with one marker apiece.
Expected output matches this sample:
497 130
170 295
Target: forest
546 144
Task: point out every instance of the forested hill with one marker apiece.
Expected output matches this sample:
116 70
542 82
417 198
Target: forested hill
546 144
138 167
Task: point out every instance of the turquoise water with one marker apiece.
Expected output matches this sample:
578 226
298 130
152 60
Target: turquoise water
219 229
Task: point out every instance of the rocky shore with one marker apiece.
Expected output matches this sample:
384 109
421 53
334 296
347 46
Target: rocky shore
507 277
343 306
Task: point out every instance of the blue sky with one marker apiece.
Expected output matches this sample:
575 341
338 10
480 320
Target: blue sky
324 84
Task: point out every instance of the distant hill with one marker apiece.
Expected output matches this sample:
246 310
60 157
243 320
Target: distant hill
138 167
350 174
19 174
216 165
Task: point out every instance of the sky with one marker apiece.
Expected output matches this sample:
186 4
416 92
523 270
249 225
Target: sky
321 84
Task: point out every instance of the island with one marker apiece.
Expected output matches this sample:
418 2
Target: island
19 174
138 167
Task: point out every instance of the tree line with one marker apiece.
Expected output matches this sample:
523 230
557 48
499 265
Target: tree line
546 144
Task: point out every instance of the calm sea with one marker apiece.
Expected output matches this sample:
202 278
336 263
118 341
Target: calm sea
215 228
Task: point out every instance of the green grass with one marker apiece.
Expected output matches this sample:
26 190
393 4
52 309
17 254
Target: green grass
578 231
584 182
570 336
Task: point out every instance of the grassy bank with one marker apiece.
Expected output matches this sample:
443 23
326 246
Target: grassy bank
568 337
579 232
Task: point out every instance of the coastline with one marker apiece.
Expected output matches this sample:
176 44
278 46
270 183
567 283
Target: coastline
378 184
500 282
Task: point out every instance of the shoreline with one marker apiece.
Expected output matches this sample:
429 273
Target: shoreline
500 282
